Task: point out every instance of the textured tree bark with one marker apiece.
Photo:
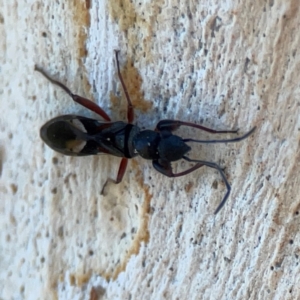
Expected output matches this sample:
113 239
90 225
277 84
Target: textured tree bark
224 65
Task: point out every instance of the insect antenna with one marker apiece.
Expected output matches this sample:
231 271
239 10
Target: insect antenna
238 139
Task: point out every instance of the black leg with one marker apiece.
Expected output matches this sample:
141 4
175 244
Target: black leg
217 167
165 168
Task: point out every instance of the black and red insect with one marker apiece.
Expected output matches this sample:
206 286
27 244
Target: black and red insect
79 136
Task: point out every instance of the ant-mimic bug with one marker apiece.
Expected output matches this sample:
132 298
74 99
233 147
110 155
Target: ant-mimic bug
79 136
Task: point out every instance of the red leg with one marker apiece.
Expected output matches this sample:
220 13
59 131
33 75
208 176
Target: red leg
172 125
121 172
130 112
78 99
91 106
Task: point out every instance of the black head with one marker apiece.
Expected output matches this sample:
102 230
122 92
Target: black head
153 145
172 148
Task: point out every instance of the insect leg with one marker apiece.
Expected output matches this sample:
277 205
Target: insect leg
130 112
78 99
121 172
165 168
217 167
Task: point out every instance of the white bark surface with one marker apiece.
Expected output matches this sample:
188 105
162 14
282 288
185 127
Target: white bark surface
223 64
